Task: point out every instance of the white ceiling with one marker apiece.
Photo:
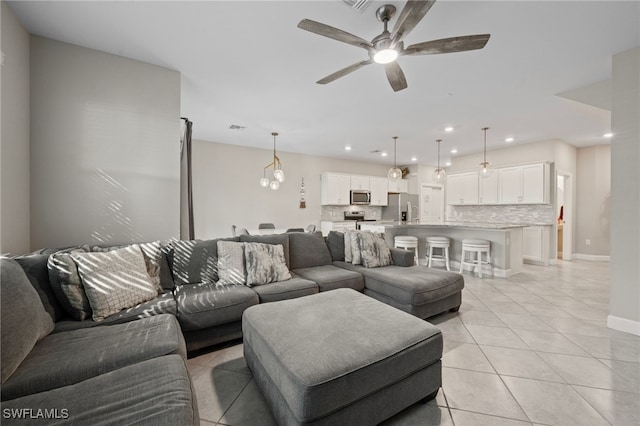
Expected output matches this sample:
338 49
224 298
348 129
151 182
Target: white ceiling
246 63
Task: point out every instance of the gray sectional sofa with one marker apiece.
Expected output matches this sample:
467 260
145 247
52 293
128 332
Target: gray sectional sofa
130 367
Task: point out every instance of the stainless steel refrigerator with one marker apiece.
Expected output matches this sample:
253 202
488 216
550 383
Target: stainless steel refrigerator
401 208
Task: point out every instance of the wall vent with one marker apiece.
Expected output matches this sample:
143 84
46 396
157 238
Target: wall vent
359 5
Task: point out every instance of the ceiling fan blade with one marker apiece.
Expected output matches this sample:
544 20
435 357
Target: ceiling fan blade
409 17
344 71
395 76
334 33
448 45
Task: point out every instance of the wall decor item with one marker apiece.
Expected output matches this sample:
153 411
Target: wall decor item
278 174
303 202
485 167
394 174
439 173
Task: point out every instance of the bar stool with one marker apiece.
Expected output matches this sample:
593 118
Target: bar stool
441 243
478 247
407 242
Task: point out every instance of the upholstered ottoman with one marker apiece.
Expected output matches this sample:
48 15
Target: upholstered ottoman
340 357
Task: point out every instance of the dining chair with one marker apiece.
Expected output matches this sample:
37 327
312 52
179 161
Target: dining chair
311 228
243 231
295 230
233 230
266 226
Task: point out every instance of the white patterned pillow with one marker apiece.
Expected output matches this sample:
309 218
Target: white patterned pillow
374 250
114 280
347 246
356 256
265 263
231 263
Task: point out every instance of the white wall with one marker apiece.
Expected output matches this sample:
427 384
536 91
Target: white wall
625 193
226 190
593 190
14 139
105 135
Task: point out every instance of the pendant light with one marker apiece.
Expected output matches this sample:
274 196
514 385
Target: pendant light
439 174
485 167
278 174
394 174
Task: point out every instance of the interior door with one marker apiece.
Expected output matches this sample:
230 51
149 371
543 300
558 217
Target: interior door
431 203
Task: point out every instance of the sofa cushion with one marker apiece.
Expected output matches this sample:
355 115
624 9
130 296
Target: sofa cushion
231 269
265 264
271 239
62 359
308 249
206 305
35 266
290 289
330 277
67 285
153 392
335 242
195 261
374 250
115 280
24 319
162 304
414 285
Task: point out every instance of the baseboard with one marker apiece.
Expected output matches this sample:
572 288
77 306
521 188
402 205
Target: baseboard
592 257
624 325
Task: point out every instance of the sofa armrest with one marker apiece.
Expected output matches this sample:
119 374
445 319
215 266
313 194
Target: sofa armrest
402 257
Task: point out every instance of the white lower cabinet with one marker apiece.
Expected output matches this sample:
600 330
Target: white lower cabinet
535 245
372 227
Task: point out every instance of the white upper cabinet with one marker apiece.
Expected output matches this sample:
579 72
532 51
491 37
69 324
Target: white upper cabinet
462 188
488 187
524 184
334 189
360 182
379 188
402 185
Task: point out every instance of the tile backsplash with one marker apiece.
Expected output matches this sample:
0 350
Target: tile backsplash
517 214
334 213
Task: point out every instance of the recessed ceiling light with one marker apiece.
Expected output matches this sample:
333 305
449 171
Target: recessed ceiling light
608 135
347 148
448 129
383 153
454 151
414 159
508 140
448 163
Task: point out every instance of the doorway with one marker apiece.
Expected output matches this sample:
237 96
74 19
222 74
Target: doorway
431 203
565 214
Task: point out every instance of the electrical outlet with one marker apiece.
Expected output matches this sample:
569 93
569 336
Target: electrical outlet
587 242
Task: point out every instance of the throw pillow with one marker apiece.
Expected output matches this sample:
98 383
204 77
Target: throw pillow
356 258
374 250
347 246
114 280
67 285
335 242
231 268
265 263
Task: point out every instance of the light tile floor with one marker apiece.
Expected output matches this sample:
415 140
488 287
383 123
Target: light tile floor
533 349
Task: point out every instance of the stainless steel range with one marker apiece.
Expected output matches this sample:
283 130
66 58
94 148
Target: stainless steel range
357 216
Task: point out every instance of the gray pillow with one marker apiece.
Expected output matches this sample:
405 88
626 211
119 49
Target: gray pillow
24 319
115 280
335 242
67 285
265 264
196 261
35 266
374 250
231 268
308 249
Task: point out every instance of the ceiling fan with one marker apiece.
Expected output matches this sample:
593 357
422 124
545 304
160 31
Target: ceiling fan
386 47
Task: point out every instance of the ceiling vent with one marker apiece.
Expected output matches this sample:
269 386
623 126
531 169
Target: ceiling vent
359 5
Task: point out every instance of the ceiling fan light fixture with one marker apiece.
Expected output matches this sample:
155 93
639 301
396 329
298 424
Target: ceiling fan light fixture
385 56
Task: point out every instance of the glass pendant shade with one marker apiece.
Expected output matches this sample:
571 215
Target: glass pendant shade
485 167
264 182
394 174
439 175
278 174
274 184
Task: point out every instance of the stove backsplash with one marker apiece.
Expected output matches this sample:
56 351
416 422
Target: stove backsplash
335 213
516 214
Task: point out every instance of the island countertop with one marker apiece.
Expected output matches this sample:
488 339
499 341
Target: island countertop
471 225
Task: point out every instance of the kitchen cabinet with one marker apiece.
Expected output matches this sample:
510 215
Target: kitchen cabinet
379 191
360 182
401 186
334 189
339 226
372 227
524 184
488 189
462 188
535 245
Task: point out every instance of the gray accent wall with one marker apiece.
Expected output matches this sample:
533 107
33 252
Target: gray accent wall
14 139
625 193
105 141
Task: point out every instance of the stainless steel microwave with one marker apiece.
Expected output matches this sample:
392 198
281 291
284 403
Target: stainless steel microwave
360 197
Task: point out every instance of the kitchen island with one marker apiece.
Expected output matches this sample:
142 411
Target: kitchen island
506 240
